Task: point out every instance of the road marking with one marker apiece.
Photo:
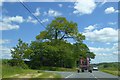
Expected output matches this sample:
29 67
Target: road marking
69 76
94 76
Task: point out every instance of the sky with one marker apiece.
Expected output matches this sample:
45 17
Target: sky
98 21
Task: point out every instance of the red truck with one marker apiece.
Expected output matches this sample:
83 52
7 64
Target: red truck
84 64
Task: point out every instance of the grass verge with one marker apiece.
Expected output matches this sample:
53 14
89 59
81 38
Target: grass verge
116 73
16 72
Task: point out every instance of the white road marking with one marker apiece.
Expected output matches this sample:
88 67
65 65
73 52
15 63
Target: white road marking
94 76
69 76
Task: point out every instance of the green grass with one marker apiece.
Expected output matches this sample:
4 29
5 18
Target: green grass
57 69
111 68
8 70
16 72
116 73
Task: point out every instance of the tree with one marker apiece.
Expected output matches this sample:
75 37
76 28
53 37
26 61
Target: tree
83 51
51 47
52 54
19 53
60 29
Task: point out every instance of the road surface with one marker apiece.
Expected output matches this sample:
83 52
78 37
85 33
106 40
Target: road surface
95 75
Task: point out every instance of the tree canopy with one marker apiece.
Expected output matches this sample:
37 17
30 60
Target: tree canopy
51 48
61 28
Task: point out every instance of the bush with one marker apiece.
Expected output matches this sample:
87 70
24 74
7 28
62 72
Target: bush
5 61
19 63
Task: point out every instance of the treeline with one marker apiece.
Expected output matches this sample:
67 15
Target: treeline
110 66
51 47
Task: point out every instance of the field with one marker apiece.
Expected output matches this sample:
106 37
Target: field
111 68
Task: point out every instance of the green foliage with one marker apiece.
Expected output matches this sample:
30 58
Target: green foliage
60 28
19 63
57 68
17 73
19 53
83 51
112 68
5 61
56 53
51 47
109 66
8 70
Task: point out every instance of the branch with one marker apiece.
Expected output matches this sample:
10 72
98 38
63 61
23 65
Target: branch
62 37
68 37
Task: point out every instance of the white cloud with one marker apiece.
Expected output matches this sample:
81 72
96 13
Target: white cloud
102 50
108 54
60 5
112 23
30 19
37 12
110 10
5 52
116 53
44 20
90 28
52 12
7 22
103 57
102 35
4 49
8 26
3 41
108 43
18 19
84 7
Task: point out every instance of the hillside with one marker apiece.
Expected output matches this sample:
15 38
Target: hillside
112 68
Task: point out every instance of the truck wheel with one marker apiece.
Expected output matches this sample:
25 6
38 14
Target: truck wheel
90 71
78 71
82 70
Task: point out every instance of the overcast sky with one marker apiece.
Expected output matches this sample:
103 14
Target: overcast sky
98 21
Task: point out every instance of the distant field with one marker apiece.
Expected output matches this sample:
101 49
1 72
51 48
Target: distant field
16 72
111 68
116 73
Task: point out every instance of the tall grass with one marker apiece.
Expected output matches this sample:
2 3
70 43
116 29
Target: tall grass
10 70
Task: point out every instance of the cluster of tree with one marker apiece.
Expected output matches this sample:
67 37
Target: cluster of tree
51 47
111 65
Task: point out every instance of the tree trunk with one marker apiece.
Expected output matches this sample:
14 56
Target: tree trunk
56 34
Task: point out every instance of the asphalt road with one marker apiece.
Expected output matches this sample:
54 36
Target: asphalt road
95 75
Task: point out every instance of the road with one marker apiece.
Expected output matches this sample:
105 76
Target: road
95 75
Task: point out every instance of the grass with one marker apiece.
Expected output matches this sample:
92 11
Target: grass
111 68
16 72
111 71
116 73
8 70
57 69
